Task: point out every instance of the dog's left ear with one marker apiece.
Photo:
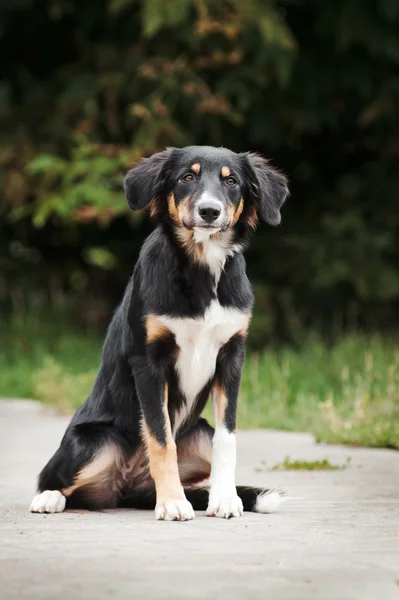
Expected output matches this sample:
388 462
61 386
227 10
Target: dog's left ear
144 182
268 187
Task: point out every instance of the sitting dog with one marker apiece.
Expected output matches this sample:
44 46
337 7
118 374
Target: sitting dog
177 337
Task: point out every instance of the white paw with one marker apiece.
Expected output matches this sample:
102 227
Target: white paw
174 510
50 501
224 505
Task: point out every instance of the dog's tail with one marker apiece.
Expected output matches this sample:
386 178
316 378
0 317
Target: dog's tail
253 499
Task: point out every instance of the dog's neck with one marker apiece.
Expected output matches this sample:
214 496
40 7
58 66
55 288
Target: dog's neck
208 249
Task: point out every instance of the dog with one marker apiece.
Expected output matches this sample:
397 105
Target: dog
177 337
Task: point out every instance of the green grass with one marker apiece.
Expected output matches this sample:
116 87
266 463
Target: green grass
345 394
290 464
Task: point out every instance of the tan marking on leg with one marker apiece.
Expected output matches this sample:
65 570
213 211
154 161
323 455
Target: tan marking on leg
226 172
196 168
163 461
155 329
220 402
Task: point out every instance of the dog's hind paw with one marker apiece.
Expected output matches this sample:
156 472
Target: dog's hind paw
174 510
50 501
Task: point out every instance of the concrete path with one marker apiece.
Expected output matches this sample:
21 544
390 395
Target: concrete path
337 539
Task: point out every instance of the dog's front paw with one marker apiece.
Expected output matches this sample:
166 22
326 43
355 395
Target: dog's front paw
49 501
224 505
174 510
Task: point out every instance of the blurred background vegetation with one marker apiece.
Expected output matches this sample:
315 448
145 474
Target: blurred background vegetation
88 87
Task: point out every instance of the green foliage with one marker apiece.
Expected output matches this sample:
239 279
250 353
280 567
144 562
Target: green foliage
290 464
86 186
343 394
88 88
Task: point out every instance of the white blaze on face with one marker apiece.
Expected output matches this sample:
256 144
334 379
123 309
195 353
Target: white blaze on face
209 199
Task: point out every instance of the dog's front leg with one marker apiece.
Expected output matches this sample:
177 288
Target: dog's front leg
171 503
223 499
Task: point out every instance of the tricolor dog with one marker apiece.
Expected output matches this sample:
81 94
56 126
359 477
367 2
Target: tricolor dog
177 337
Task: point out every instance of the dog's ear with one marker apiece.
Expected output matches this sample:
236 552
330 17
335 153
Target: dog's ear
268 187
144 182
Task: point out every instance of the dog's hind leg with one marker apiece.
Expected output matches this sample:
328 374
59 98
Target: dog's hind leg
83 473
194 454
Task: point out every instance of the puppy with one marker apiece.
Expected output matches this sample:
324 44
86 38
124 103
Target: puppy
177 337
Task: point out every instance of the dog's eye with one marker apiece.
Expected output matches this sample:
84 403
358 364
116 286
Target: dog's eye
188 177
231 181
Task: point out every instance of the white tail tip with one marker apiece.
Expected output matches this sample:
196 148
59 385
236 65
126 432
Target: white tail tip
269 501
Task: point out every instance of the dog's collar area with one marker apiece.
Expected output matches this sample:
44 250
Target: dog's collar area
209 250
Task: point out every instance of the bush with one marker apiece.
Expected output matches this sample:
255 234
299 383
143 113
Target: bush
89 87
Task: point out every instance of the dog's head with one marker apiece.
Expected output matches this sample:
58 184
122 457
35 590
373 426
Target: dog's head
207 189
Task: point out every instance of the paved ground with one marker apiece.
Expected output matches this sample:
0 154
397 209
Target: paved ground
338 538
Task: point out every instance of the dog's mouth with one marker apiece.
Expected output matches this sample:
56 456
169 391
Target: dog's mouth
206 227
192 225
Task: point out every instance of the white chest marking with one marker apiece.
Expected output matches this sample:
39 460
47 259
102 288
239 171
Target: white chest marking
199 341
216 251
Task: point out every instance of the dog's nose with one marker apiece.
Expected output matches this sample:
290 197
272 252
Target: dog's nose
209 212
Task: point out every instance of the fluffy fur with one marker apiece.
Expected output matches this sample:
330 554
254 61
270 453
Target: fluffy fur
177 336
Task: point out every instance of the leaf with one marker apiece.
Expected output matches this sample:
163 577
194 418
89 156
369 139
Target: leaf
274 30
45 162
158 14
52 204
100 257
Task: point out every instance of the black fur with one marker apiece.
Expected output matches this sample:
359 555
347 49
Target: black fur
167 280
268 187
143 183
228 375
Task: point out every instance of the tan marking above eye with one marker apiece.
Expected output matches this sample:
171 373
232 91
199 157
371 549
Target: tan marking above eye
226 172
196 168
